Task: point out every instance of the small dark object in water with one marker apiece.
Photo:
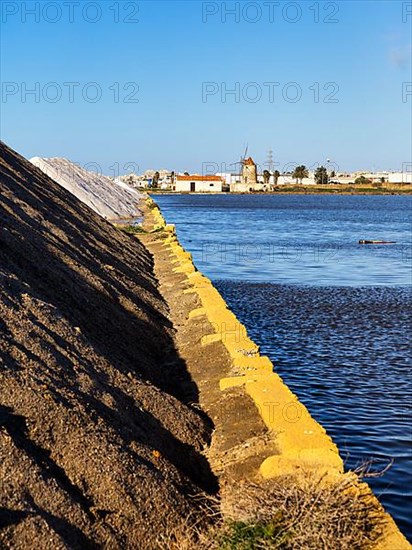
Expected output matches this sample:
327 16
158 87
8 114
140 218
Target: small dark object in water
377 242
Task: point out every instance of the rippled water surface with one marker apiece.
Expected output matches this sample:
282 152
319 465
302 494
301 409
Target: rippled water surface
333 315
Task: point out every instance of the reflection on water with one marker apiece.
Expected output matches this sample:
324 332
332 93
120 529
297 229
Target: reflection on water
333 315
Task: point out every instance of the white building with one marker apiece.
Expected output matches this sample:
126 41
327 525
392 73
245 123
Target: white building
374 177
229 177
384 177
343 179
237 186
287 179
198 184
400 177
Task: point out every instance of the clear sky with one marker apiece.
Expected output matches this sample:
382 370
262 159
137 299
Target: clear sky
150 81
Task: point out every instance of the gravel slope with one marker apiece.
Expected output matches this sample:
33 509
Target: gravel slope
97 445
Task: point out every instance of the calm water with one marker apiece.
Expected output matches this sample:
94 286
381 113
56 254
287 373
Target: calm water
333 315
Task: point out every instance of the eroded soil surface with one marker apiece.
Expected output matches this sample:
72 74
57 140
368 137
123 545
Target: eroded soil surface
101 436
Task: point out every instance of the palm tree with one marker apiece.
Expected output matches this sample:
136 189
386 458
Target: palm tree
300 173
155 181
321 175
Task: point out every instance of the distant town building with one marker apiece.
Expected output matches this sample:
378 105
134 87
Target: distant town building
248 179
197 184
145 180
400 177
288 179
229 178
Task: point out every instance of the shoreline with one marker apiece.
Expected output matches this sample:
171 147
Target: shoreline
288 441
307 190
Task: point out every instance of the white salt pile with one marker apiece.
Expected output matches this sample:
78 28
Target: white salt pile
108 198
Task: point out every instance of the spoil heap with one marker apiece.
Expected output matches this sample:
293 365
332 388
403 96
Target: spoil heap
97 445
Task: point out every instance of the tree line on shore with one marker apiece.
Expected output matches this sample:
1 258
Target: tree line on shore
300 173
322 176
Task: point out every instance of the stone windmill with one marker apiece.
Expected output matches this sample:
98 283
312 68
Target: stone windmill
249 172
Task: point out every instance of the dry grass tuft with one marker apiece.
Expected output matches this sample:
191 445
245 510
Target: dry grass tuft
311 514
286 515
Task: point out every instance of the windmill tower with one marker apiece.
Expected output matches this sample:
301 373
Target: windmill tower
249 170
248 173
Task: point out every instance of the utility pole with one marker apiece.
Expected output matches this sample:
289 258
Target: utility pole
269 161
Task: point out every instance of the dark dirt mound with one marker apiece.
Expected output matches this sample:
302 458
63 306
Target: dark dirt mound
98 442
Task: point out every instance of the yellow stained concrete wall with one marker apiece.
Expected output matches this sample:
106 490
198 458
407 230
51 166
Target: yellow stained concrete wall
303 444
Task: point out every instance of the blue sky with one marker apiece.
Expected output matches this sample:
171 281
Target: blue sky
278 56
